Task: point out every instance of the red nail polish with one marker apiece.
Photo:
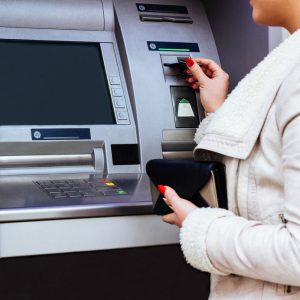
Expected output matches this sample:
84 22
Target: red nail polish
161 188
189 62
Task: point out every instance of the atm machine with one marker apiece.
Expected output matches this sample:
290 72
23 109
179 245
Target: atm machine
89 92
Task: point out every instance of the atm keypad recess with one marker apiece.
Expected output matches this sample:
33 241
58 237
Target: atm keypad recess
77 188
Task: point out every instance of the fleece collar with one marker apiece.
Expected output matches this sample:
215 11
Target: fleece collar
236 125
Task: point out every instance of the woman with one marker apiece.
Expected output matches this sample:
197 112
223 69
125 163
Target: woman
252 250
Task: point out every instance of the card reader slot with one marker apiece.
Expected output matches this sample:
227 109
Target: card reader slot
165 18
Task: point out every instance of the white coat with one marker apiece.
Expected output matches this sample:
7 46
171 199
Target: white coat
253 250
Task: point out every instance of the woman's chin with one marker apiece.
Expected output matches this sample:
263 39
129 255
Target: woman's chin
257 18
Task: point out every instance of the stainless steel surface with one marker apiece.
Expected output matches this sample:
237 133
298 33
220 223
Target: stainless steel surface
45 160
51 157
160 18
65 14
111 68
23 200
178 155
178 144
183 135
149 87
106 134
150 99
88 234
20 148
108 13
99 160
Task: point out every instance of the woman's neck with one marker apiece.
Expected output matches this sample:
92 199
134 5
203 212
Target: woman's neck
292 22
292 27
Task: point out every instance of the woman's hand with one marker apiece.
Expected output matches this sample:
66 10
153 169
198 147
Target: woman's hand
211 80
181 207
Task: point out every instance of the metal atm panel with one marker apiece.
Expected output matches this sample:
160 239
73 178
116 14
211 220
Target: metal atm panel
50 171
156 42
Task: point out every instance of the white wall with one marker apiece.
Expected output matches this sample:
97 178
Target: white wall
276 36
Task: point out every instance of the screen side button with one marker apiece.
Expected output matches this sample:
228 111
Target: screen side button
117 92
120 103
114 80
122 115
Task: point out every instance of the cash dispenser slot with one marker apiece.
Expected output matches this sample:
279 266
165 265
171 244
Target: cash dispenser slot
51 158
178 143
46 160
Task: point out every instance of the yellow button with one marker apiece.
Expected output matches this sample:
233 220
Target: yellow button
109 183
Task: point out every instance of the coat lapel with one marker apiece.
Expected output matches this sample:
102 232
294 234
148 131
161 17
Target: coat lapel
236 126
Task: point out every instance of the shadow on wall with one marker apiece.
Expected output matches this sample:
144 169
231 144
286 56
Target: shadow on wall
241 43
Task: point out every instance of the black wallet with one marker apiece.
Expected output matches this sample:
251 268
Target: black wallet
202 183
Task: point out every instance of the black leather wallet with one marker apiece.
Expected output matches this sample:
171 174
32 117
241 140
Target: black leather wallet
202 183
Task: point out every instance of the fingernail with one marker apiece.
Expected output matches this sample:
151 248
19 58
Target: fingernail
189 62
161 188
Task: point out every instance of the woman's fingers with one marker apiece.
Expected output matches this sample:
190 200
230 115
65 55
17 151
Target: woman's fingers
210 65
171 219
210 79
191 80
196 71
208 72
171 197
178 205
181 207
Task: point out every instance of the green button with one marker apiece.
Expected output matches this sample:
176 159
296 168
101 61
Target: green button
184 100
121 192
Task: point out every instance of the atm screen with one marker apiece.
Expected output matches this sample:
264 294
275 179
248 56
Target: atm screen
53 83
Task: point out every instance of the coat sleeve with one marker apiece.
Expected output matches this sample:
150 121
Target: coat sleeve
217 241
200 132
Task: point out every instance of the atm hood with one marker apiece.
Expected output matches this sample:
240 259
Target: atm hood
94 15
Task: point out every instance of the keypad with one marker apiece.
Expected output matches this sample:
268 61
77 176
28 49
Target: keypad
78 188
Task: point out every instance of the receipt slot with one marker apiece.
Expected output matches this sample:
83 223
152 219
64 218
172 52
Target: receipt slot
185 107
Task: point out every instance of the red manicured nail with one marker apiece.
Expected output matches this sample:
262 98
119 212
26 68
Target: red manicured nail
161 188
189 62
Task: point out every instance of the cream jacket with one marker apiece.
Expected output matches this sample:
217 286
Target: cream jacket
253 250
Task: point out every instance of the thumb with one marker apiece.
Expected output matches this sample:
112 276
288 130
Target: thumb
196 71
172 197
180 206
